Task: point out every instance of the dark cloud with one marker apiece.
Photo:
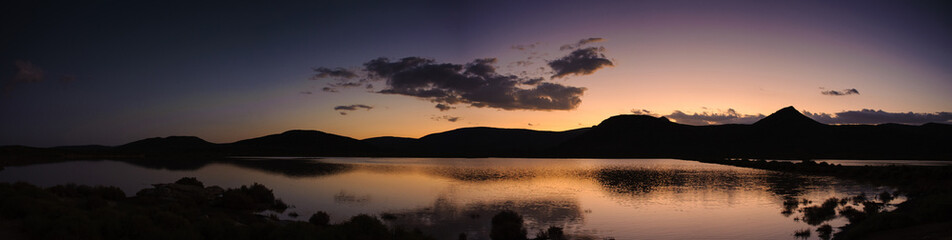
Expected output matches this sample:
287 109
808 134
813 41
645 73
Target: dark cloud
346 84
352 107
323 72
582 61
476 83
444 107
307 92
532 81
446 117
580 43
844 92
711 118
870 116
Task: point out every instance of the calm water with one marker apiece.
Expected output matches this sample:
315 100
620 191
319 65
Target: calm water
590 198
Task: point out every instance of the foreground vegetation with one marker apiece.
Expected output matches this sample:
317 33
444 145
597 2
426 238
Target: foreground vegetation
185 209
928 191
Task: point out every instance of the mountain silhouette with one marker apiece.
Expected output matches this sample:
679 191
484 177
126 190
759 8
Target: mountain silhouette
785 134
788 117
300 142
491 142
166 145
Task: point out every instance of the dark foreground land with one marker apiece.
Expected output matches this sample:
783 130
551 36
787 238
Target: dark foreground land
928 207
185 209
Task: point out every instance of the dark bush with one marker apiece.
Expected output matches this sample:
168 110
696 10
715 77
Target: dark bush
320 218
190 181
507 225
365 227
255 198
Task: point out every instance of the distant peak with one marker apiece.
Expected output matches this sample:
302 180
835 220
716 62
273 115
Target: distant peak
788 109
788 116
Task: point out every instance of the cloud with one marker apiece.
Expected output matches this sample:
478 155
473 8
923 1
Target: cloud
323 72
580 43
523 47
643 112
307 92
865 116
346 84
352 107
27 72
446 117
712 118
476 83
844 92
444 107
582 61
870 116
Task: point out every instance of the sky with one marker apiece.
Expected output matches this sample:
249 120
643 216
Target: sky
112 72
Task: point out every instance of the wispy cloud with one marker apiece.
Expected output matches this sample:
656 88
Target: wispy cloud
643 112
865 116
580 43
730 116
353 107
323 72
843 92
445 118
444 107
27 72
870 116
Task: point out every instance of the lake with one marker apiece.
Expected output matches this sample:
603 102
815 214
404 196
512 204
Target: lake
443 197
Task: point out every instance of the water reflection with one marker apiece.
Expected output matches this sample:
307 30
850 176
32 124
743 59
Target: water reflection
446 219
589 198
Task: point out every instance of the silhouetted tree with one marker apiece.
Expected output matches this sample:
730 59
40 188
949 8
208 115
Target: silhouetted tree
365 227
320 218
507 225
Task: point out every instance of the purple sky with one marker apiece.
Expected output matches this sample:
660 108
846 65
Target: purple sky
113 72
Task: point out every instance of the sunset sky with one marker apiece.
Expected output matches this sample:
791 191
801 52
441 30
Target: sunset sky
111 72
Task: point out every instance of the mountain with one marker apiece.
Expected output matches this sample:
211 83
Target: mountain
300 143
168 145
493 142
785 134
787 117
